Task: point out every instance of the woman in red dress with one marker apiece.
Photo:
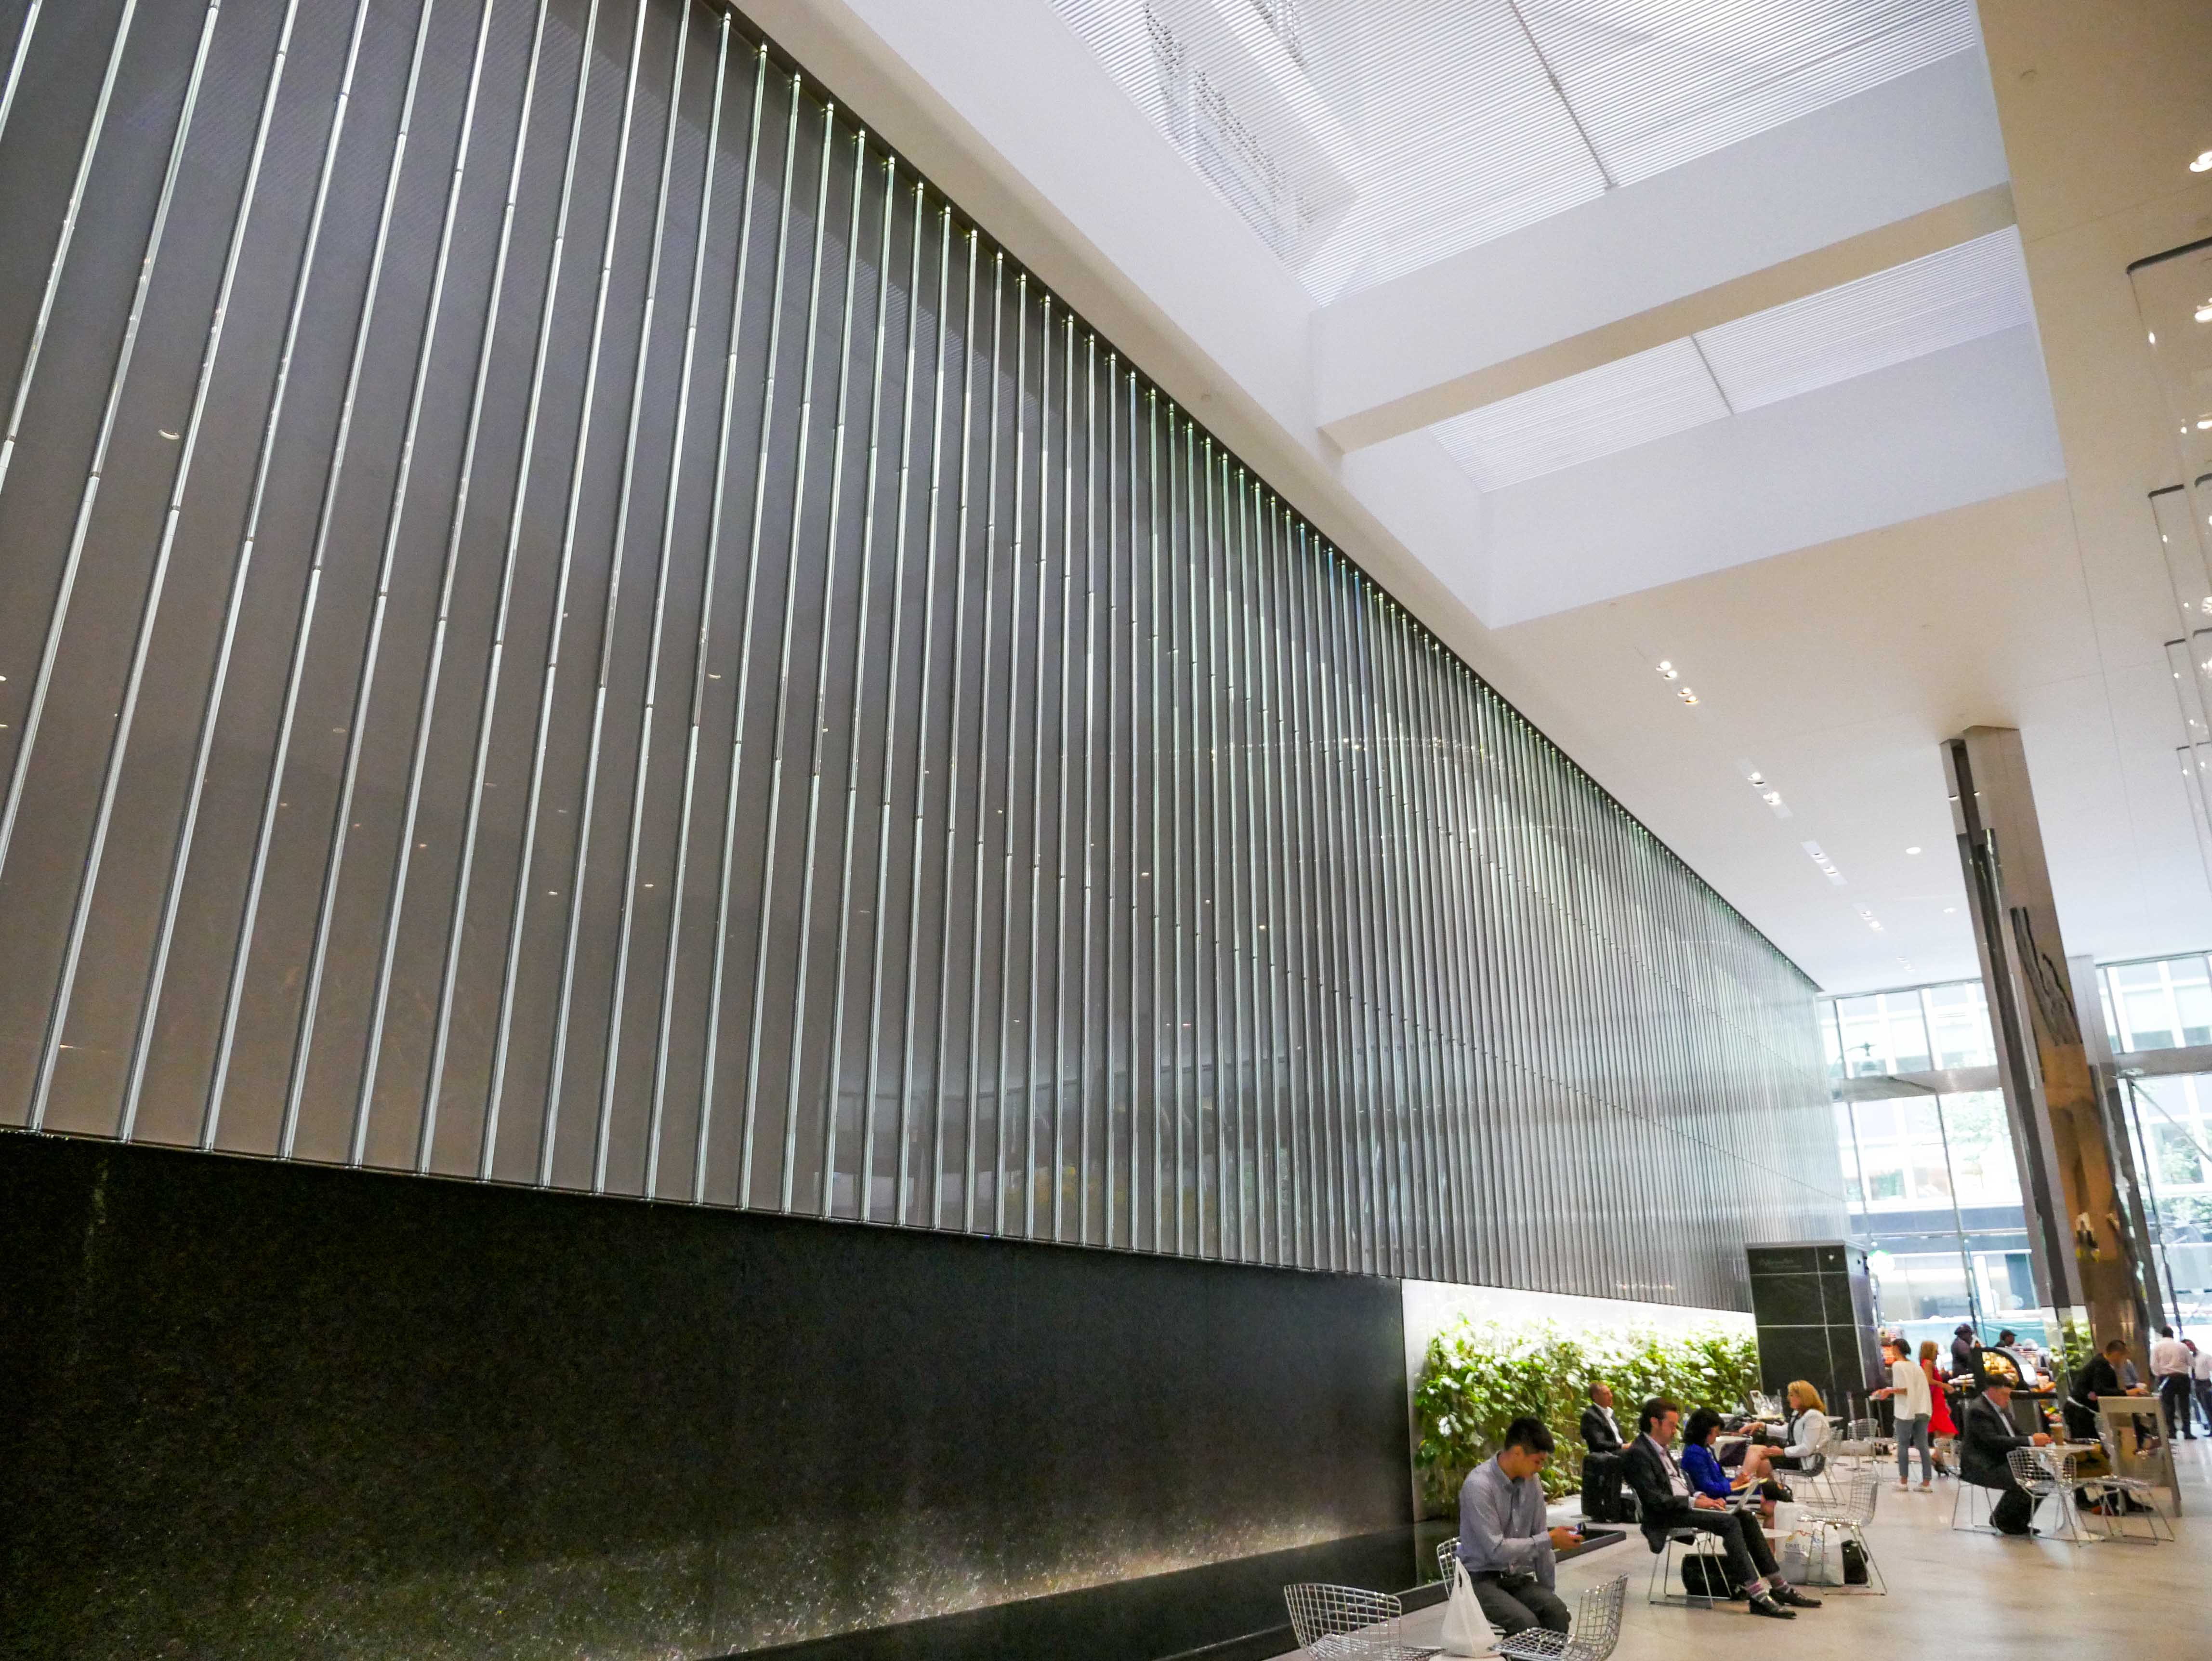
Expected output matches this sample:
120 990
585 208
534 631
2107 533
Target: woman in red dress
1941 1429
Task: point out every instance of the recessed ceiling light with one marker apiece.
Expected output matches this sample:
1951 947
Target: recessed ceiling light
1668 671
1913 850
2202 163
1758 778
1687 696
1949 909
2204 313
2205 424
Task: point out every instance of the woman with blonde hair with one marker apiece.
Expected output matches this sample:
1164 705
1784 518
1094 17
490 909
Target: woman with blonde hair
1808 1428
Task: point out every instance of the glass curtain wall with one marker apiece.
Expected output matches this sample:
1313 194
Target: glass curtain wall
576 623
1935 1192
2166 1004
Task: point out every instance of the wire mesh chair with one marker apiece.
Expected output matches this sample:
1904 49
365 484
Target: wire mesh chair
2125 1498
1447 1554
1694 1543
1971 1506
1815 1478
1595 1631
2049 1475
1844 1518
1345 1623
1860 1442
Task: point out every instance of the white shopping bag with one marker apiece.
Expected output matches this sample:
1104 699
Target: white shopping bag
1465 1632
1788 1517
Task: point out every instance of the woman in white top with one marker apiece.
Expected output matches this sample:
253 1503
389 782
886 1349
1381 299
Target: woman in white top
1808 1428
1908 1384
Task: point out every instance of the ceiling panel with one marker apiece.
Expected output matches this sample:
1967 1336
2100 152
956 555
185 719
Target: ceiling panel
1945 298
1363 139
1599 412
1962 294
1658 82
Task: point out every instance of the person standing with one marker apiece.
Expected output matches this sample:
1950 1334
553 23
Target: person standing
2200 1374
1942 1430
1509 1554
1986 1439
2170 1368
1908 1390
1966 1352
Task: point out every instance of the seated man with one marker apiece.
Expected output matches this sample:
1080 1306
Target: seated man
1669 1504
1503 1539
1600 1431
1986 1436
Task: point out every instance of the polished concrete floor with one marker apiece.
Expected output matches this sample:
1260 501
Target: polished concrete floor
1946 1590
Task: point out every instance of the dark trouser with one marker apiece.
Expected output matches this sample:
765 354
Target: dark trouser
1748 1553
2173 1393
2011 1514
1514 1603
2204 1400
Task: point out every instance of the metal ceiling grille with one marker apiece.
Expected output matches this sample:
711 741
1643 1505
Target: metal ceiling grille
1942 299
576 624
1416 129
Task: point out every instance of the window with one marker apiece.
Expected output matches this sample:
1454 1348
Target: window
1959 1024
2162 1005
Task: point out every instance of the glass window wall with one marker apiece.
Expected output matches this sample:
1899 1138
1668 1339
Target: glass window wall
1913 1031
2166 1004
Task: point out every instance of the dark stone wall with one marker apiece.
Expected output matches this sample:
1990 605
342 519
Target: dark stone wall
265 1409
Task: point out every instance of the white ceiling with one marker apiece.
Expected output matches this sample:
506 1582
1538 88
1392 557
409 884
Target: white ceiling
1958 294
1694 330
1364 139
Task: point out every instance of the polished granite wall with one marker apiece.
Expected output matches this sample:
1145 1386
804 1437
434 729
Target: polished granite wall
265 1409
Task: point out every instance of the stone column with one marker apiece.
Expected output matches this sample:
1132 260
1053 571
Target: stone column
2078 1228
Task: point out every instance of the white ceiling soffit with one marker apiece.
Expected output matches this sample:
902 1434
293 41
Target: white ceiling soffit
1363 139
1599 412
1942 300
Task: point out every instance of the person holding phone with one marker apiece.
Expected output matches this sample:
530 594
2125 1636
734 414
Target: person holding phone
1508 1551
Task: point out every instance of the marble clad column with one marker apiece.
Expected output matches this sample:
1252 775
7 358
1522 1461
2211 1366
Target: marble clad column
2084 1251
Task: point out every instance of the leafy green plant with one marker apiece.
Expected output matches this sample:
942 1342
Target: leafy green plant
1477 1379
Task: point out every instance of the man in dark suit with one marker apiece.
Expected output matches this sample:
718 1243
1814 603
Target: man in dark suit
2094 1379
1987 1437
1601 1432
1669 1504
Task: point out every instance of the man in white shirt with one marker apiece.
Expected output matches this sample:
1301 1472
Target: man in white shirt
2170 1367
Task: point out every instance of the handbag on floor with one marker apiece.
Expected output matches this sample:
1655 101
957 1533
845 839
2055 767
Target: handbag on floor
1466 1632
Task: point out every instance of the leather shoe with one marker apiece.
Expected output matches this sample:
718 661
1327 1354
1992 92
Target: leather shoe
1766 1606
1794 1599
